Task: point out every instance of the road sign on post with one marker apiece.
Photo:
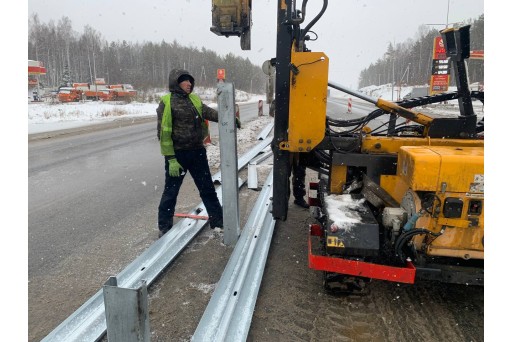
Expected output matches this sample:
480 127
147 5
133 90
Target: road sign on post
221 75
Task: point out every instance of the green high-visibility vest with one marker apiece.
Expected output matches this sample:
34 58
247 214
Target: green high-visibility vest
166 127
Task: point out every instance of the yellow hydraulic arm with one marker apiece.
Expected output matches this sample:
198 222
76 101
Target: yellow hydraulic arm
390 107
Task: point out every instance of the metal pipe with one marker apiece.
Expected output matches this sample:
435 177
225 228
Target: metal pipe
353 92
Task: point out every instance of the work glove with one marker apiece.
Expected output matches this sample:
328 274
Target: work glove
237 123
174 167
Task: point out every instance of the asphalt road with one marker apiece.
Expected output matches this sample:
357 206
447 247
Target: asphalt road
81 185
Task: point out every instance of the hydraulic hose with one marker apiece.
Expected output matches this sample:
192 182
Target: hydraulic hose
408 236
411 222
314 20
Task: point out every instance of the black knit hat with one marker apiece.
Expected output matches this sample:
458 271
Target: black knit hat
176 76
185 77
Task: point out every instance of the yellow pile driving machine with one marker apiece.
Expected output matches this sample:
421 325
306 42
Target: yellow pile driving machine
395 202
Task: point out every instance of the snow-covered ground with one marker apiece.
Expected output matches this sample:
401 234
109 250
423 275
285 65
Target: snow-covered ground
382 91
50 116
450 108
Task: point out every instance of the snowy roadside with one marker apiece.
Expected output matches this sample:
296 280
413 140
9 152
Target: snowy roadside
448 109
47 116
246 139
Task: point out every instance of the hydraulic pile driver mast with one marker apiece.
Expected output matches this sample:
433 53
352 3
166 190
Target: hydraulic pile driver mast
397 202
300 99
230 18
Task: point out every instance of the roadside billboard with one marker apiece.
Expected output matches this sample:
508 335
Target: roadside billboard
440 70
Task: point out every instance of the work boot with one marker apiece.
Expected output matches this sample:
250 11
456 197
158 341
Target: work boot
301 202
216 223
163 229
162 232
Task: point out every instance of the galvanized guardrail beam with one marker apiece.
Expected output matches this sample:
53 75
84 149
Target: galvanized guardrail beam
230 310
265 132
246 158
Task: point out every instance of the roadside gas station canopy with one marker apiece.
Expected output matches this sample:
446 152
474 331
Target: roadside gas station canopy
36 68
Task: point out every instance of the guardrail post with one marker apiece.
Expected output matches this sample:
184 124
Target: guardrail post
228 151
252 176
126 312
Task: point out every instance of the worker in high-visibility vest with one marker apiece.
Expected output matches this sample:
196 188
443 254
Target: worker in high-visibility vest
181 130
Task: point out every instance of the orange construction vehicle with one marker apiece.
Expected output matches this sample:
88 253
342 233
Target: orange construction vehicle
69 94
107 95
123 91
98 91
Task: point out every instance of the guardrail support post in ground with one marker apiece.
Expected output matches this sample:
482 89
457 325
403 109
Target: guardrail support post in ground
252 176
126 312
228 151
260 108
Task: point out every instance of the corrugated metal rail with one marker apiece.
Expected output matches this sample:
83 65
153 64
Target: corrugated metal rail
230 310
265 132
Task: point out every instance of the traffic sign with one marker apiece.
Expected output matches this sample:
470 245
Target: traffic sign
220 74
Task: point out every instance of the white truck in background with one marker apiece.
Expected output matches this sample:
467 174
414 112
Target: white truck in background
417 92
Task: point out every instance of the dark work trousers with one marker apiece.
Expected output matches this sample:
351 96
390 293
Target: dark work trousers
194 161
298 180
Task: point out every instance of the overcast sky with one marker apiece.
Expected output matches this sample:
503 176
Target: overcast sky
352 33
